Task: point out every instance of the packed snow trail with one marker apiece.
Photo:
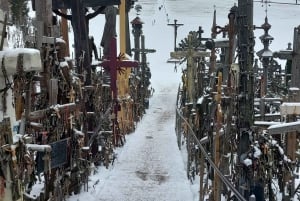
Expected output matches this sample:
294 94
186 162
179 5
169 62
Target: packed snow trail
150 167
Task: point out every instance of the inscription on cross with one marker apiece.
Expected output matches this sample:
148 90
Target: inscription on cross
113 64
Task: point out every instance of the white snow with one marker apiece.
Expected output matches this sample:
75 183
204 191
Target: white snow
40 148
31 59
283 125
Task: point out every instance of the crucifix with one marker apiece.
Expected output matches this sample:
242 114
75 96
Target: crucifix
113 64
79 21
175 25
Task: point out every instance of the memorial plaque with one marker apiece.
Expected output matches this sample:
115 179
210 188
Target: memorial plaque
58 155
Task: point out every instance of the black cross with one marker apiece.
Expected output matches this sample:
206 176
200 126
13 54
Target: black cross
175 25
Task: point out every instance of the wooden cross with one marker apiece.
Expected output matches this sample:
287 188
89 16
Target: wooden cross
113 64
190 54
175 25
143 50
66 4
80 27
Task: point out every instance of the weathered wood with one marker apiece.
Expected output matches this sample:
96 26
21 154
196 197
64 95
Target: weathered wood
296 59
290 108
217 140
65 4
113 65
2 30
80 23
109 29
64 33
44 16
195 54
39 114
190 54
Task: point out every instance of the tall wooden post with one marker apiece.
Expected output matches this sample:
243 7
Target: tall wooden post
44 28
201 174
122 80
296 58
217 185
79 25
246 93
64 31
292 138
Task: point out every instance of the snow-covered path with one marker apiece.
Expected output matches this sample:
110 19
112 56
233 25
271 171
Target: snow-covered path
150 167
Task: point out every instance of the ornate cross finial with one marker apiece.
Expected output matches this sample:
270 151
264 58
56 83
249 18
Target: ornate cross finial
267 3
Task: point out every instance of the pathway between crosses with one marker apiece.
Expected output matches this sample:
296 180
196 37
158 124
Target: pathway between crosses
149 167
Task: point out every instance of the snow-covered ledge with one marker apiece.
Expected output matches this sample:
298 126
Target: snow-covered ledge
31 61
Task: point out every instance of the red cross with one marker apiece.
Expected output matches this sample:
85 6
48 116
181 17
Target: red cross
113 64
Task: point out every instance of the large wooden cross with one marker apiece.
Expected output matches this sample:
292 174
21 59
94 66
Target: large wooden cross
113 64
190 55
66 4
79 24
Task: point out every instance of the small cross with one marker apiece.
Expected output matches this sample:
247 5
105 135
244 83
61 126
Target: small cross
175 25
